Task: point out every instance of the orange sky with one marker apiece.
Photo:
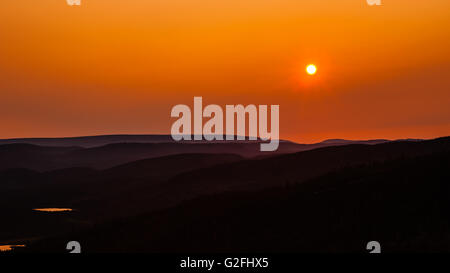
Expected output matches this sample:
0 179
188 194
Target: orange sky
118 66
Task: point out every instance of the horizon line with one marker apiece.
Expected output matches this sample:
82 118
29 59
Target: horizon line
234 136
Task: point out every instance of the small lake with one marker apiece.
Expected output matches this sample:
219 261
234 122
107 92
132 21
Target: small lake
53 209
5 248
9 247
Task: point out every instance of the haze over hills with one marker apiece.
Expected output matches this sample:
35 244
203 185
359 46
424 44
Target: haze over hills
338 141
101 140
102 152
403 204
89 141
326 199
155 184
44 158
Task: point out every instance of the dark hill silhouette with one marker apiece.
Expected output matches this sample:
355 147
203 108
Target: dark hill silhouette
133 188
89 141
348 142
285 169
97 194
102 152
338 141
168 166
102 140
43 158
158 183
33 157
402 203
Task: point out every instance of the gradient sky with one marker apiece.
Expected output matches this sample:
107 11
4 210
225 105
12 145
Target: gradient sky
118 66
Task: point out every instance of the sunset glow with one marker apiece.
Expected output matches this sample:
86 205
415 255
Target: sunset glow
278 127
112 67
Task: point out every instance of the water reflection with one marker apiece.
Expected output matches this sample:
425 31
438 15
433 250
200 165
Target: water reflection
9 247
53 209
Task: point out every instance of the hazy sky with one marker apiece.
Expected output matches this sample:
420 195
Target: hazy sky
118 66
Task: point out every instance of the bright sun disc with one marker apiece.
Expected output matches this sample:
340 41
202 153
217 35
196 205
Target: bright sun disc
311 69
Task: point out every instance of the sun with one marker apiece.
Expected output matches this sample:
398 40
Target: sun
311 69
